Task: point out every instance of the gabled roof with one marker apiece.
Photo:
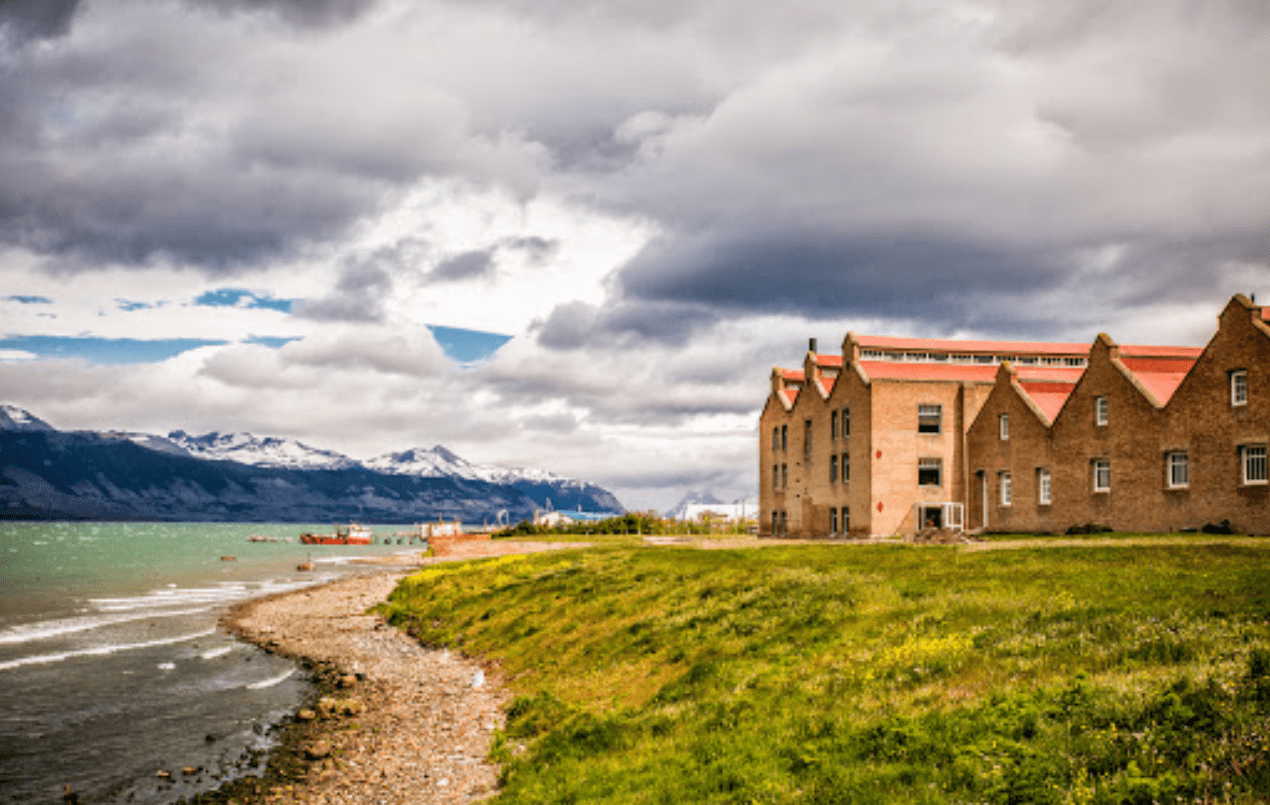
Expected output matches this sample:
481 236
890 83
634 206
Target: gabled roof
828 360
826 385
1162 352
790 396
1048 397
1160 376
793 375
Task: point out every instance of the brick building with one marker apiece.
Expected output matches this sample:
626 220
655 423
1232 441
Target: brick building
896 433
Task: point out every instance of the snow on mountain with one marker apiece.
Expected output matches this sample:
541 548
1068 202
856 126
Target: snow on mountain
691 499
546 488
269 451
437 462
13 418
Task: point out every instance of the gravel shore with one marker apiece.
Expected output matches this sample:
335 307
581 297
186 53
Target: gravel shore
408 724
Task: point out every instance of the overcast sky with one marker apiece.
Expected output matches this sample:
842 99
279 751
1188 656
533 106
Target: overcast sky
259 214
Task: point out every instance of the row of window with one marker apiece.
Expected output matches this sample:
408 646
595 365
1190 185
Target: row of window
778 522
1238 397
780 476
944 357
1252 459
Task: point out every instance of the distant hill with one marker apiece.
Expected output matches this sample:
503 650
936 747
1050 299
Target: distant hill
50 474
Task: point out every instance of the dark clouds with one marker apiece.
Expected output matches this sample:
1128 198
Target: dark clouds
41 19
358 296
477 264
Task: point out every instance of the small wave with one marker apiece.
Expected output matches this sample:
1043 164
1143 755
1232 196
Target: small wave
167 666
269 683
216 652
39 659
42 630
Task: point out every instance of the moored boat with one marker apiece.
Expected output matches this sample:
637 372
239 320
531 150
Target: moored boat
352 534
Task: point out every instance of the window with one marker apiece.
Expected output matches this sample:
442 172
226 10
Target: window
833 521
806 438
1007 494
782 521
1102 475
784 437
846 422
1043 486
1177 473
776 521
846 520
776 440
929 471
776 476
1100 410
833 424
928 418
833 469
784 476
846 467
1239 387
1005 427
1254 461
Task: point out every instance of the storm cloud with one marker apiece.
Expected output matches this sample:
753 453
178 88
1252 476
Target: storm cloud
656 200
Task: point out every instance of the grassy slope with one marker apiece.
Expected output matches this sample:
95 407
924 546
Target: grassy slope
869 674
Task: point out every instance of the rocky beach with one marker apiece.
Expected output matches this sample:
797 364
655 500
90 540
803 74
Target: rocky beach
401 722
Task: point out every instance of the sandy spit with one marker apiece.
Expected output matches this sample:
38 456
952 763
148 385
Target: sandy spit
426 716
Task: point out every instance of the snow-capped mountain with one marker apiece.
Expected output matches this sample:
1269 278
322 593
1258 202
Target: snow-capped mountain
691 499
13 418
437 462
549 490
475 487
260 452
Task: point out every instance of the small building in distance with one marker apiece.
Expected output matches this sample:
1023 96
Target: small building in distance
897 434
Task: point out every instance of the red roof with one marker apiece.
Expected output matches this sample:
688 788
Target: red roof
1161 377
1049 397
901 370
826 383
1049 374
952 345
828 360
792 374
1265 313
1152 351
790 395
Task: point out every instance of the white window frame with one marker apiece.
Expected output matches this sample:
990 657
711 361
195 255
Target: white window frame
1100 467
1239 387
936 464
1100 411
1252 459
1177 471
930 410
1005 427
1006 486
1044 489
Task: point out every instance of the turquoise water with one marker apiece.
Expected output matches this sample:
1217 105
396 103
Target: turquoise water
112 666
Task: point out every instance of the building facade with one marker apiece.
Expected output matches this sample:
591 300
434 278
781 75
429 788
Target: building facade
898 434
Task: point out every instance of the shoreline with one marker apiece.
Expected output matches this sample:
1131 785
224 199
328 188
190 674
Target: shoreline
393 721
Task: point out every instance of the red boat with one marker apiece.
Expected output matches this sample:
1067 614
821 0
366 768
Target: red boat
353 534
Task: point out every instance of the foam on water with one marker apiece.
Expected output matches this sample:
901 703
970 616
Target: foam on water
38 659
269 683
43 630
216 652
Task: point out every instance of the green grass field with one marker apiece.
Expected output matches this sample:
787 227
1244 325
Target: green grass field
870 674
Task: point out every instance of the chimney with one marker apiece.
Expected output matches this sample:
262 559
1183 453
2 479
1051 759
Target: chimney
811 345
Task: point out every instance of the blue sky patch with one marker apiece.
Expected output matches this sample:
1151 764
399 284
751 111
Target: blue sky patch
467 347
29 300
128 306
273 342
234 297
105 351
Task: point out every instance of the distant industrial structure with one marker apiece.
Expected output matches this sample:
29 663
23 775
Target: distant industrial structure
894 435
